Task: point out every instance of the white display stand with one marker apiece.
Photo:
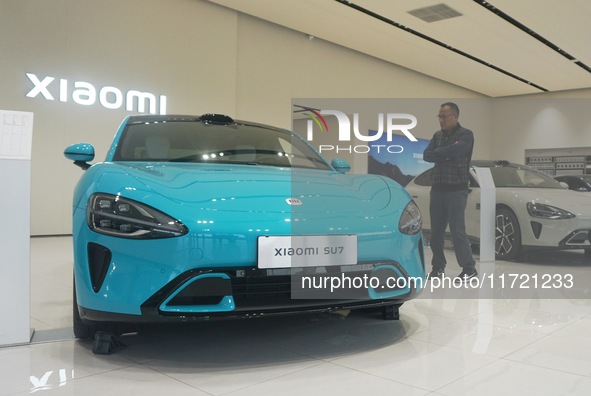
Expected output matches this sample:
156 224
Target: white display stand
16 131
487 214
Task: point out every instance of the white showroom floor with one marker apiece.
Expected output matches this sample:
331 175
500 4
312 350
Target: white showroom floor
499 346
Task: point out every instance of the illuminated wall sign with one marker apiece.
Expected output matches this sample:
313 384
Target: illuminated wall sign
86 94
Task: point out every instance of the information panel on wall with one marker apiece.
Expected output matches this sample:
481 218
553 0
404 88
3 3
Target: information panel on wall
560 161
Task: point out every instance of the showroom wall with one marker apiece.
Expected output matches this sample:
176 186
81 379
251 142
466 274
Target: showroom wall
200 56
549 120
148 46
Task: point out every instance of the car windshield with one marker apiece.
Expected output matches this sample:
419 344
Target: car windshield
517 176
195 141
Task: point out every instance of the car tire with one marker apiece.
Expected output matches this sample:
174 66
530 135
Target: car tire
391 312
82 329
85 329
507 235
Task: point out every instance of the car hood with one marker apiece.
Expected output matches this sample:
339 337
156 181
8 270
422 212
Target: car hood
243 188
575 202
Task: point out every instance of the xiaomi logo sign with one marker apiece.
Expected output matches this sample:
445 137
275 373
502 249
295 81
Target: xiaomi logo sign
86 94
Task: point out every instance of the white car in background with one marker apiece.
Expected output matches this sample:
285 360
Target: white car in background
581 183
532 210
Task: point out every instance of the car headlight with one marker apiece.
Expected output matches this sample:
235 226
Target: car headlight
410 222
116 216
547 212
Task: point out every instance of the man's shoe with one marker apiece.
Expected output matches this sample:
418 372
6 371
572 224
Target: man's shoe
466 275
436 273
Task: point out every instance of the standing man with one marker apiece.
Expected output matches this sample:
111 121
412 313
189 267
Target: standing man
450 150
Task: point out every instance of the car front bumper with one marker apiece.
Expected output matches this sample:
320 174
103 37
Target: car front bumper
204 294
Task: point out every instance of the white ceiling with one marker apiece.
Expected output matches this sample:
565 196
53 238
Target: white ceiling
517 58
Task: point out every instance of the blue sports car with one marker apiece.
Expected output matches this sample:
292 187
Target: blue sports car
200 217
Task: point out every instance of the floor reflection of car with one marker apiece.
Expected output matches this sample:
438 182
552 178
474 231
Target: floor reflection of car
532 210
576 182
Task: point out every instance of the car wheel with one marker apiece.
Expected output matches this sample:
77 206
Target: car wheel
82 330
391 312
507 235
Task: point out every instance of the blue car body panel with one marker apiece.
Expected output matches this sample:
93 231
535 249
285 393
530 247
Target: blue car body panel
225 208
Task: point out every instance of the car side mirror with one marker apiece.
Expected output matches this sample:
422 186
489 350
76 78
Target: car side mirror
80 153
340 165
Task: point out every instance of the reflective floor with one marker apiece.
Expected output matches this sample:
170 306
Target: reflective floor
461 346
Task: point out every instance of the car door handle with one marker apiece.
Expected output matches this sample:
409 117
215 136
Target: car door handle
415 196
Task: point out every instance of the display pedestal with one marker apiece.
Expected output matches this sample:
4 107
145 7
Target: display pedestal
15 177
487 214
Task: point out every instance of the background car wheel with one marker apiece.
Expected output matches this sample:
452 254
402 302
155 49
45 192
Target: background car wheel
507 235
587 254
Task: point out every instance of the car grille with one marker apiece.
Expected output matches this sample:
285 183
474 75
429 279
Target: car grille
259 291
577 239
